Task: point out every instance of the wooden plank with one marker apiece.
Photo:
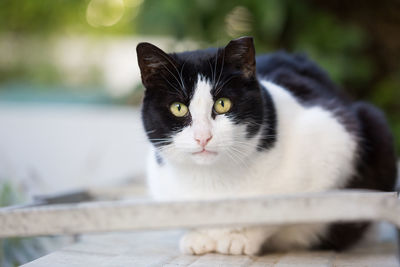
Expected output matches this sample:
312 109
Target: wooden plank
385 254
306 259
160 248
268 260
146 214
71 259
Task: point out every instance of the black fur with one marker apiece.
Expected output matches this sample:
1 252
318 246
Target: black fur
172 77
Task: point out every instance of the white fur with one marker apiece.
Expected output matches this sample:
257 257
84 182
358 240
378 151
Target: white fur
313 153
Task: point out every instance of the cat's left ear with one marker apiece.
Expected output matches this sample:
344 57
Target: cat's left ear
154 63
240 54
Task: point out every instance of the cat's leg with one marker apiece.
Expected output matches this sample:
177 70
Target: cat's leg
235 241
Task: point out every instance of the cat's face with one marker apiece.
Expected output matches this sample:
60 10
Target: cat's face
202 107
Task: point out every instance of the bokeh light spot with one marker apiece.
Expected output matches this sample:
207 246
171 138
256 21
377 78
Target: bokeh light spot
133 3
238 21
104 12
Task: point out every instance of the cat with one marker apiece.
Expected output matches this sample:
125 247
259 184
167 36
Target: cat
225 123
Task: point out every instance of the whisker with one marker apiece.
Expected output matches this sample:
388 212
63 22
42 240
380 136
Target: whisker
212 73
239 161
222 68
234 160
223 84
215 65
180 74
173 75
172 63
173 86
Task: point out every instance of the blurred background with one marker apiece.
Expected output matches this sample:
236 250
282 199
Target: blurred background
70 87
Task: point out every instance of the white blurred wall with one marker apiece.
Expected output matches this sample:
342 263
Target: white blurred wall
53 148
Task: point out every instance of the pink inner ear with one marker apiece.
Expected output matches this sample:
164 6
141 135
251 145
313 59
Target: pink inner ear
156 64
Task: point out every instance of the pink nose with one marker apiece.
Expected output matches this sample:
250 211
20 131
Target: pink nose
203 139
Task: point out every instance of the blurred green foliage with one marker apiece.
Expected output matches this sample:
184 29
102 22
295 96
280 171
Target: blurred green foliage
9 195
275 24
346 49
62 17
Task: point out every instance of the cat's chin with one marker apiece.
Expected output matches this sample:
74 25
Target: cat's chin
204 157
205 152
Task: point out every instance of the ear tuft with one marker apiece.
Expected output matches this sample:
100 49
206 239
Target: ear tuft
241 54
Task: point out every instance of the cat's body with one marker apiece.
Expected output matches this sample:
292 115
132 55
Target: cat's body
287 130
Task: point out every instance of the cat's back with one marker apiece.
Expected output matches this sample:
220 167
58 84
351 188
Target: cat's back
304 79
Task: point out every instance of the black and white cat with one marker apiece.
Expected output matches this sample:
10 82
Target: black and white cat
224 123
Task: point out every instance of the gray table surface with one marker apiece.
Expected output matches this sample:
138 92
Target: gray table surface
160 248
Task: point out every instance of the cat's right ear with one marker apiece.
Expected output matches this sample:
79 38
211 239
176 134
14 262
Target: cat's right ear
240 53
153 62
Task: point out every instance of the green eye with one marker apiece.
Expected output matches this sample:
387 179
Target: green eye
178 109
222 105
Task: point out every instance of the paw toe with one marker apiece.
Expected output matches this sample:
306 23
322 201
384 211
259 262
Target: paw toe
237 247
224 245
237 244
196 244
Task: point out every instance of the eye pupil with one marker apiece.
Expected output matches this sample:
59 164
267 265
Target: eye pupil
178 109
222 105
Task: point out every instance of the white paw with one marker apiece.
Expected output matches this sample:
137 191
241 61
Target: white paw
238 244
197 243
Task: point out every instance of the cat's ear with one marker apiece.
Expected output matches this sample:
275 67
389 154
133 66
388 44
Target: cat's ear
153 62
240 54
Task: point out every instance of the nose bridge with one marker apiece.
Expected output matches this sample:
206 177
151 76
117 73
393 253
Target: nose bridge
201 122
200 110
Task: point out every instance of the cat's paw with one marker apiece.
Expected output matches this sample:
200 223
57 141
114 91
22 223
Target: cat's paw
197 243
238 244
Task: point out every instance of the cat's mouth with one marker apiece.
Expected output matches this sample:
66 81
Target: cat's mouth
205 152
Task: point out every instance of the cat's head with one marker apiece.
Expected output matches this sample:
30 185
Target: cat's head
202 107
